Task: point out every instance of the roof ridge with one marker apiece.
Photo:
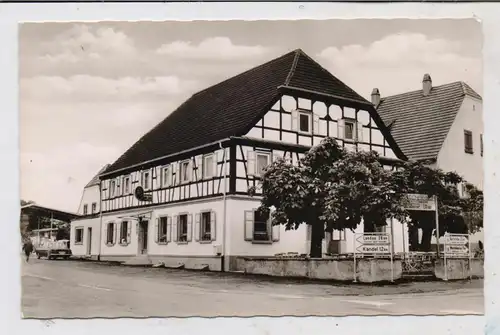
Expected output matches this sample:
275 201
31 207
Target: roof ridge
258 67
420 90
294 65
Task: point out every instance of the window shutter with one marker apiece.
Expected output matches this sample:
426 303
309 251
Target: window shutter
199 168
189 227
197 228
315 124
129 231
169 229
221 157
340 128
213 229
178 173
249 217
115 235
251 162
157 230
276 233
170 175
175 232
359 130
295 120
215 172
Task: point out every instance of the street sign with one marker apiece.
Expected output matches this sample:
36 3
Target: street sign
456 249
456 239
373 249
418 202
373 239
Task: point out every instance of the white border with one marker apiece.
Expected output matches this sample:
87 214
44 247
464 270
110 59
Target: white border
11 14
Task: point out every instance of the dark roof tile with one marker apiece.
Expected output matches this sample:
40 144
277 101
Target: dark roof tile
420 123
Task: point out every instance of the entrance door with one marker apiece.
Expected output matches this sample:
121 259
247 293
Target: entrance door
89 242
143 237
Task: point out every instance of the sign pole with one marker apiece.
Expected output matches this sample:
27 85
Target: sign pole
470 259
444 259
354 249
437 226
392 257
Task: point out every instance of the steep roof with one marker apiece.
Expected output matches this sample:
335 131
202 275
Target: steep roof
228 108
419 123
95 180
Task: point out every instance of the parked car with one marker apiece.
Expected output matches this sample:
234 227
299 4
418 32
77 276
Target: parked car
53 250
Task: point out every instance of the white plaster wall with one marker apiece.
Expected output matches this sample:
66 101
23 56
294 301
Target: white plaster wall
290 241
89 195
81 249
452 156
193 248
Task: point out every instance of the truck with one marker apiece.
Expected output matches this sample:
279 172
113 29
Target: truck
53 249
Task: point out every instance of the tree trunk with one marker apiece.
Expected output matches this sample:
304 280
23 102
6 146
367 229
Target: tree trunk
413 238
425 245
317 234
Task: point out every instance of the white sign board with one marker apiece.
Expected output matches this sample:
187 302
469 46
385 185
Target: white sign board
456 245
373 239
418 202
373 249
456 239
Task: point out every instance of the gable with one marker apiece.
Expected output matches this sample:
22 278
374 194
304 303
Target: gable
230 107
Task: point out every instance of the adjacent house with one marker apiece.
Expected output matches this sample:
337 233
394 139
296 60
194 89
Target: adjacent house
180 194
440 124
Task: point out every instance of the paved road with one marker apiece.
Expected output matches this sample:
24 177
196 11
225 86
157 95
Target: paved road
72 289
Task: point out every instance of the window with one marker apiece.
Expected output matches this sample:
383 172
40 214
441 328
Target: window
305 122
208 166
126 185
182 228
337 235
146 180
110 233
112 188
184 172
79 236
468 142
162 230
165 176
206 230
85 209
260 227
94 208
262 162
349 130
124 230
481 143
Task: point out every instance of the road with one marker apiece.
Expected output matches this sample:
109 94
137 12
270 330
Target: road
72 289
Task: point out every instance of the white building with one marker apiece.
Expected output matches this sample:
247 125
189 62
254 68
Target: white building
442 124
180 194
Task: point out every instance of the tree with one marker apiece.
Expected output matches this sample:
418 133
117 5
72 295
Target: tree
454 211
329 189
63 232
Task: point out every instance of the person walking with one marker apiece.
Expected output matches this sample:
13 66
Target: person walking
28 249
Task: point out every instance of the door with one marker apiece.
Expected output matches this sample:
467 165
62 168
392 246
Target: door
143 237
89 242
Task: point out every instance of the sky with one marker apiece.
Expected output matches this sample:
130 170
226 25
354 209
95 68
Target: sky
88 91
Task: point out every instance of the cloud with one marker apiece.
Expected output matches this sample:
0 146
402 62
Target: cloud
56 177
214 48
397 63
89 88
83 42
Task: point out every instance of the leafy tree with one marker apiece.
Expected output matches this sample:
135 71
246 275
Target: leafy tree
329 189
454 211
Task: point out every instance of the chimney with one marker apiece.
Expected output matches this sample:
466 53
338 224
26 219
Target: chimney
375 97
427 84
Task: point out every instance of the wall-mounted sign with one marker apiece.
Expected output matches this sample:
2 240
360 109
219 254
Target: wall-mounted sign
418 202
141 195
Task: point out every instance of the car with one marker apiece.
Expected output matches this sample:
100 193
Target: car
53 250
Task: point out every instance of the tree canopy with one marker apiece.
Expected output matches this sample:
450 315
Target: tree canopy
334 189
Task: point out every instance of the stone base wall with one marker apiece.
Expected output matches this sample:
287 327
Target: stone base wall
366 270
458 269
188 262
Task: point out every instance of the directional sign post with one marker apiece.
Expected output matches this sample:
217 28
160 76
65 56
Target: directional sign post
456 246
375 244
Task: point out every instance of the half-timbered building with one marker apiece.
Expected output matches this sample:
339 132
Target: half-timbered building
180 194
